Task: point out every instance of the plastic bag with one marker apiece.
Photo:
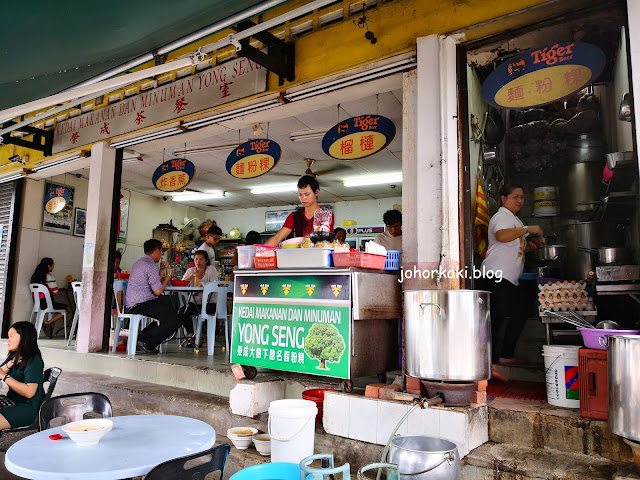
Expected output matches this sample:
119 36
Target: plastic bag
322 220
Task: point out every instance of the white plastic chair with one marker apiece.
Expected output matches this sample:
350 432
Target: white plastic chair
77 297
39 313
221 289
136 320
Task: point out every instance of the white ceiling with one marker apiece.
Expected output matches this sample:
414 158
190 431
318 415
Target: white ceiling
211 173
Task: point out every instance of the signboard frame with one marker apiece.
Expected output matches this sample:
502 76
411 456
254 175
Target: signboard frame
60 222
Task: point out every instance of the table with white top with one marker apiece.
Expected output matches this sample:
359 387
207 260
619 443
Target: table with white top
132 448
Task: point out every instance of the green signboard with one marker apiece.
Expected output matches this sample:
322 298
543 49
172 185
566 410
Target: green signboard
294 322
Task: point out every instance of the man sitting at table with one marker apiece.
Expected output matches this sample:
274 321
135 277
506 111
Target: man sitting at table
144 296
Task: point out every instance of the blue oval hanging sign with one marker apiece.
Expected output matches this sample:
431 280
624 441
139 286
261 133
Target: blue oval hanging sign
543 75
253 158
173 175
358 137
56 199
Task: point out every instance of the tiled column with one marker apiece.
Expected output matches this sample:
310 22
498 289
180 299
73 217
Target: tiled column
96 248
430 168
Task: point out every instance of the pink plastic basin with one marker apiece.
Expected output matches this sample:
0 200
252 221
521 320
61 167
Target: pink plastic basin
596 338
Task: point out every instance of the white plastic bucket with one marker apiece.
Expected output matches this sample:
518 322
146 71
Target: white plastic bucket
545 202
561 373
292 429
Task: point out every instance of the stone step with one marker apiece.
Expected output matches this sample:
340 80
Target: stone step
542 426
508 461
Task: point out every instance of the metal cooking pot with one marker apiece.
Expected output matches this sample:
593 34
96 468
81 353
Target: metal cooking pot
439 324
425 458
624 385
548 253
608 256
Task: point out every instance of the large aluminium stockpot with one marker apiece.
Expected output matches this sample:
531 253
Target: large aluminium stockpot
447 334
623 359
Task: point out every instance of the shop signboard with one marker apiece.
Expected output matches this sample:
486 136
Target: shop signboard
364 230
543 75
173 175
56 198
224 83
253 158
293 322
358 137
57 219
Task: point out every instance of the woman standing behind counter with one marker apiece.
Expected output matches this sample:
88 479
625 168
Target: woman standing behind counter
507 246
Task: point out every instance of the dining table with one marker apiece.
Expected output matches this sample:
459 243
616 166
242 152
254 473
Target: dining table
134 446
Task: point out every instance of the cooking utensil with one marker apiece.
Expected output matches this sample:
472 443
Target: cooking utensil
446 319
489 155
571 321
581 319
548 253
623 358
626 111
608 255
598 338
425 458
608 324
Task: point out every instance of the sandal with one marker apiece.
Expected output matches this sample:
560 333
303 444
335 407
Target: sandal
48 330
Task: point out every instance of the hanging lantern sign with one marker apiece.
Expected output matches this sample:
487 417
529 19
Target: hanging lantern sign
543 75
173 175
358 137
253 158
56 199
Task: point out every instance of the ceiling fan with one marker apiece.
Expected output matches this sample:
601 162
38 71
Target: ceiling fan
309 162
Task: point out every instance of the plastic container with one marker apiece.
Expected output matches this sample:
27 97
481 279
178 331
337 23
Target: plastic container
292 430
304 258
594 384
316 395
596 338
179 283
265 262
545 202
561 374
268 471
393 260
245 256
360 260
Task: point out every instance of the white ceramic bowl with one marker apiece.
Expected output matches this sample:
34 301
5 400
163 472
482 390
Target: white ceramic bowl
88 432
241 436
262 441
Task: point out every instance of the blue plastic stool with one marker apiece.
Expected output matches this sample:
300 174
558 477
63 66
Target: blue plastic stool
266 471
308 473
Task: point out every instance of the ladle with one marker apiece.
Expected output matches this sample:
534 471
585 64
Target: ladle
608 325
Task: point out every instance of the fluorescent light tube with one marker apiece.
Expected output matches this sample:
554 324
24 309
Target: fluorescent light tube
195 197
206 149
145 138
275 189
48 166
373 180
307 135
233 114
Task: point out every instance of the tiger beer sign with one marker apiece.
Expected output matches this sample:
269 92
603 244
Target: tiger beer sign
543 75
174 175
253 158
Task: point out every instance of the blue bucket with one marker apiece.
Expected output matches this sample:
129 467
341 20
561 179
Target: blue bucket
267 471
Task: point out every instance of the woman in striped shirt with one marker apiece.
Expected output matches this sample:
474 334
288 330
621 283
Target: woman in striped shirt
42 275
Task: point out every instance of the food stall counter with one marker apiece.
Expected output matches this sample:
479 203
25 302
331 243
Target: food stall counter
333 322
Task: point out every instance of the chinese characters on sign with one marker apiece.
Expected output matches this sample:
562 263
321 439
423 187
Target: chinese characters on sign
276 326
215 86
358 137
173 175
253 158
58 208
55 198
543 75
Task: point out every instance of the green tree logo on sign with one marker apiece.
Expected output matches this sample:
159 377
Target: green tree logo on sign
324 343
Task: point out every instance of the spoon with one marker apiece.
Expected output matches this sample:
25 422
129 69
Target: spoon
608 324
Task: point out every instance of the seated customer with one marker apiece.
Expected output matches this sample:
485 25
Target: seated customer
22 371
202 273
42 275
144 296
391 239
341 235
117 260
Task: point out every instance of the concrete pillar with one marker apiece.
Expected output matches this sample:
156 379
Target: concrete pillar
96 248
430 172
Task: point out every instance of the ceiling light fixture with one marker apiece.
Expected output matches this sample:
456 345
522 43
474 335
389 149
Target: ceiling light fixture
203 122
307 135
372 74
195 197
275 189
10 178
373 180
146 138
58 162
207 149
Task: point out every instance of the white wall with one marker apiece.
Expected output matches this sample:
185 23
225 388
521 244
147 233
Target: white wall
365 212
146 213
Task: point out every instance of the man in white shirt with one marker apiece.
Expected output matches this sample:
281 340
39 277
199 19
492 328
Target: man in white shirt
214 234
391 239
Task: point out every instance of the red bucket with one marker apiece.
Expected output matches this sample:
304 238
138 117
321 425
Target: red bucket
317 395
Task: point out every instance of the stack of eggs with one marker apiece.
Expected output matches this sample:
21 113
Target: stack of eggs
564 295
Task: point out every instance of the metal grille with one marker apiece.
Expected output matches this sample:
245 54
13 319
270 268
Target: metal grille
6 215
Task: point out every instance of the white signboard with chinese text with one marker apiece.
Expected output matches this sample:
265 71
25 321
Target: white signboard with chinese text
215 86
